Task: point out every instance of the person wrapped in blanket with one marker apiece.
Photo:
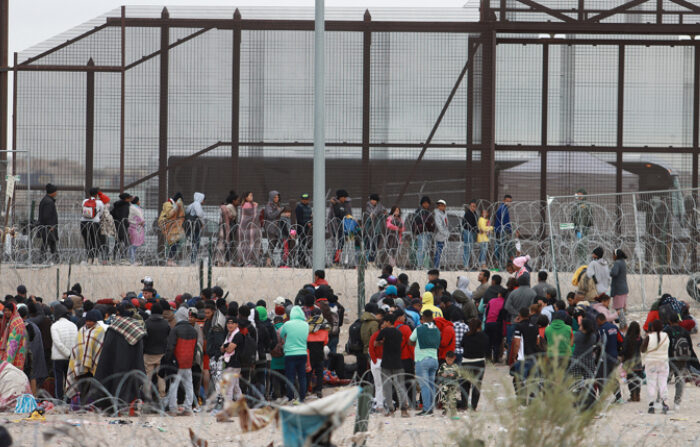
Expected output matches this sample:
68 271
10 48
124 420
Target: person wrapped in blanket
448 381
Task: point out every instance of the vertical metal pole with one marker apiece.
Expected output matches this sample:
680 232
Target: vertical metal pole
543 136
488 117
236 99
122 116
470 126
14 115
639 252
581 11
696 150
620 134
89 126
4 55
551 245
319 218
366 83
29 208
659 11
163 117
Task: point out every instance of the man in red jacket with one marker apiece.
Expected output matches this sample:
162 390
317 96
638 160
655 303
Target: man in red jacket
407 352
447 338
182 346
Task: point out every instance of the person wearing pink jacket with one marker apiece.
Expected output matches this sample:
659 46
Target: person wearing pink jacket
395 228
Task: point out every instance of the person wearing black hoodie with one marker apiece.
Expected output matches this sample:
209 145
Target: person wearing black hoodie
247 370
155 343
120 214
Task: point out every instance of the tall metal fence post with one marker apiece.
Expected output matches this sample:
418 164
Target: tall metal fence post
551 244
319 207
163 117
639 251
361 279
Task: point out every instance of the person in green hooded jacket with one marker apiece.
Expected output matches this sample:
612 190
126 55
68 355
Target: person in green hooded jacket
559 337
295 332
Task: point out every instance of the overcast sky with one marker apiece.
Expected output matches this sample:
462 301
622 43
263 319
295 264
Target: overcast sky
33 21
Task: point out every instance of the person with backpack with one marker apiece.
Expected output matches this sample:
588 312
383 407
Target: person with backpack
680 353
423 228
655 348
194 221
92 208
295 333
120 215
170 221
426 339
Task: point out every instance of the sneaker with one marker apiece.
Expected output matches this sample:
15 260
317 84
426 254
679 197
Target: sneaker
405 414
664 408
651 408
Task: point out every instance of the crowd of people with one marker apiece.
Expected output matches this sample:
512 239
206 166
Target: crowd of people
421 346
243 225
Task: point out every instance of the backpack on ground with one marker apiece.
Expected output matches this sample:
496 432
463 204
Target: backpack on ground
90 208
355 345
249 351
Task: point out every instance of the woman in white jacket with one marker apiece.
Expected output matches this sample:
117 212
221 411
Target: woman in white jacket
655 346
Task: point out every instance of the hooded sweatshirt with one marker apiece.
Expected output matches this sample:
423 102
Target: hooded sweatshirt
182 340
295 332
598 270
273 211
521 297
442 231
195 208
463 285
429 304
559 336
370 325
447 336
468 306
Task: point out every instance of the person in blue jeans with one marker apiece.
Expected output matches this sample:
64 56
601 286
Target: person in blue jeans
503 231
469 231
442 231
294 333
523 351
426 339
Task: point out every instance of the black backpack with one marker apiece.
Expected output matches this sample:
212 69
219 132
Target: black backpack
341 313
681 349
249 350
355 345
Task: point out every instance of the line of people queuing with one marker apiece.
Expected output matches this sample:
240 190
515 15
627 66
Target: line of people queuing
244 224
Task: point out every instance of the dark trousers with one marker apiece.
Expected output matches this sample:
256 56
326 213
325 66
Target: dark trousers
295 369
48 236
60 371
363 368
475 371
90 231
316 360
495 333
409 367
121 242
277 383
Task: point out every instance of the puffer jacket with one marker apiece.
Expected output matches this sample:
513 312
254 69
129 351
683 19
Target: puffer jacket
182 341
273 211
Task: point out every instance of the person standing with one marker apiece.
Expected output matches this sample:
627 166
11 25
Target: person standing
504 231
249 233
340 207
64 334
48 223
120 213
137 228
426 339
475 346
13 347
598 271
373 225
483 237
154 346
231 357
582 218
92 208
272 215
618 285
679 354
470 230
170 221
394 234
194 218
632 360
376 351
442 231
655 348
85 357
295 333
423 228
304 214
228 217
391 340
182 344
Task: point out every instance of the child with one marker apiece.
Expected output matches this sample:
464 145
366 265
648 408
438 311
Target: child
448 379
277 383
317 339
632 360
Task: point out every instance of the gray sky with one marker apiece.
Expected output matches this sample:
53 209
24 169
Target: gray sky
33 21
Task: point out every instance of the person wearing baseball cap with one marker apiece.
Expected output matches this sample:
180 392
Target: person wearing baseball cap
381 284
442 231
303 213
